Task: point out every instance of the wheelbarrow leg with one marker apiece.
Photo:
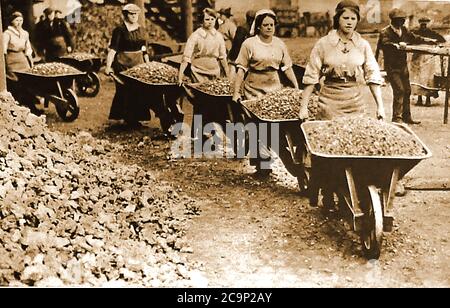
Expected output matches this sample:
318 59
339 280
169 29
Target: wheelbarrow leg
353 202
388 201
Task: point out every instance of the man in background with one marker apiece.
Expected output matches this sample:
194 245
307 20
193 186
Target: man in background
392 40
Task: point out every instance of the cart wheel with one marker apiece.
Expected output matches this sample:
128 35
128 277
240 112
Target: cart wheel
70 110
372 233
89 85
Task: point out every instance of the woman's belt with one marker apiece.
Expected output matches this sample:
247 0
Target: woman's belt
17 51
266 70
340 79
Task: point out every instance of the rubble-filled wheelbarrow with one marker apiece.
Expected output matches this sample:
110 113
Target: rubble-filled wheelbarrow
57 89
161 98
213 108
291 147
88 84
365 186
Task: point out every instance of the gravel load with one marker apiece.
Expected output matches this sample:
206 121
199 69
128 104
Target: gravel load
53 69
282 105
72 214
80 56
154 73
217 87
360 136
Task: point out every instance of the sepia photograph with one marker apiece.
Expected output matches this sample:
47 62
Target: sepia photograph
200 145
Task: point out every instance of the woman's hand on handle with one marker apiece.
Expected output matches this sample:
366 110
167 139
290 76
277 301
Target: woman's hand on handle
381 114
109 71
303 114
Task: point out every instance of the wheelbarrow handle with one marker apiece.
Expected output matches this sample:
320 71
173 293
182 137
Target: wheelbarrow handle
116 78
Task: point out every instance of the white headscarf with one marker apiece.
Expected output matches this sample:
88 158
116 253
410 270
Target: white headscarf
260 12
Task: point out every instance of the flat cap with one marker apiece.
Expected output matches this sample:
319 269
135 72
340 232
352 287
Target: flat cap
131 7
397 13
424 19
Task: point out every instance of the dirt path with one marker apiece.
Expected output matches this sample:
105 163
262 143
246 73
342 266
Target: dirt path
253 233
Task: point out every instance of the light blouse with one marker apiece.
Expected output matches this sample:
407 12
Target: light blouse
331 57
205 44
17 41
259 56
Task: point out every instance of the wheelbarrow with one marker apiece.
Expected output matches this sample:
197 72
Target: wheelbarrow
218 109
55 89
291 144
161 98
365 186
88 85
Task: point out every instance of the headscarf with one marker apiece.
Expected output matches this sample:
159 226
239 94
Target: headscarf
260 12
14 16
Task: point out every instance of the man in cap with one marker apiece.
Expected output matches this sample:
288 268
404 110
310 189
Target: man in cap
423 67
227 27
54 36
392 40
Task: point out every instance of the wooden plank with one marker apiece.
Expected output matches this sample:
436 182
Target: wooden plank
2 60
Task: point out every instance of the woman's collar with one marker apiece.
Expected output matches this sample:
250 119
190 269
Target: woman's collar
262 42
14 30
203 32
131 27
334 37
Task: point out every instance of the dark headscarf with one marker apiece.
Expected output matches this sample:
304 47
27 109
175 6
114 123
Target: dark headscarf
14 15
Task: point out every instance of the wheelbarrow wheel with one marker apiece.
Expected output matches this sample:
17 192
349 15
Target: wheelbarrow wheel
372 233
88 85
68 111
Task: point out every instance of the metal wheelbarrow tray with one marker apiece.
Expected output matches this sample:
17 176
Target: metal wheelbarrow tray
57 89
89 84
214 108
365 186
292 147
161 98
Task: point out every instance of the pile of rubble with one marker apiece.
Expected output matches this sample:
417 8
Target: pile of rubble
282 105
71 214
154 73
53 69
93 33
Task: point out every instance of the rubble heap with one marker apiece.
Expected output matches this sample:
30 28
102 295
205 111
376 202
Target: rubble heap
282 105
360 136
71 214
154 73
217 87
80 56
53 69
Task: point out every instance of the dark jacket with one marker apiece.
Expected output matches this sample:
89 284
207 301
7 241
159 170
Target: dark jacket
242 33
395 59
427 32
46 33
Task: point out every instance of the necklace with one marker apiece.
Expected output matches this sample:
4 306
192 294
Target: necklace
345 50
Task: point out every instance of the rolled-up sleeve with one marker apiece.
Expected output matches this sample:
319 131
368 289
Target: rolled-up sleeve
6 38
314 66
286 62
371 68
28 49
222 48
189 48
243 59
